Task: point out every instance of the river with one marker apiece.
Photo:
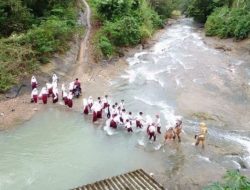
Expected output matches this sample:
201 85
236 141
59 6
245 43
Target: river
179 77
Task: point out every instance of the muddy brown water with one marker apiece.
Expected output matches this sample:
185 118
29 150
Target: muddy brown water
179 77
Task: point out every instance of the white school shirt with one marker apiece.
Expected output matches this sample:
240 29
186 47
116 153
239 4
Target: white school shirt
151 129
99 106
44 91
121 105
54 78
55 92
104 100
71 86
34 92
124 116
117 119
130 117
64 93
90 101
84 102
63 88
33 79
158 122
113 111
49 85
139 118
70 96
96 107
128 125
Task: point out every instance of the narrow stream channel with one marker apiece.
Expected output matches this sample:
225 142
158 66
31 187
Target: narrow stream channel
178 77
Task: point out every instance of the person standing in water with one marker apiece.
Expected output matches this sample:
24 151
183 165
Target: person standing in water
202 135
70 100
152 131
122 105
128 126
139 120
178 129
158 123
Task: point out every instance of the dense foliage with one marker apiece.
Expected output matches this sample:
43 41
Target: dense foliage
225 22
232 181
223 18
30 32
127 22
200 9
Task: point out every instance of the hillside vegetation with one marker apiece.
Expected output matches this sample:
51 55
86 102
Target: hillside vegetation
30 32
127 22
223 18
233 180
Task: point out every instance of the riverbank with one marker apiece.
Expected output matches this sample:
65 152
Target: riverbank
95 78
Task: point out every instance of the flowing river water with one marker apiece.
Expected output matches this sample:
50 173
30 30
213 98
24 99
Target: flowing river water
179 77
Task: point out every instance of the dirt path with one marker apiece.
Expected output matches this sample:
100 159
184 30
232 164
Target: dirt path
83 53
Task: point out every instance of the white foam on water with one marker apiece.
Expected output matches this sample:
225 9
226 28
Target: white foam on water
197 81
237 164
158 147
177 60
204 158
29 181
155 59
242 140
196 36
108 130
141 142
160 104
131 76
150 76
178 83
135 59
246 159
168 112
238 63
170 117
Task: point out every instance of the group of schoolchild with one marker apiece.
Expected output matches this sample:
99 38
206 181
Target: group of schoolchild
116 114
51 90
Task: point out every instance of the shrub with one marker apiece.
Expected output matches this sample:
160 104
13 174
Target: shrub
225 22
123 32
105 46
200 9
124 23
15 61
232 181
14 17
110 9
163 7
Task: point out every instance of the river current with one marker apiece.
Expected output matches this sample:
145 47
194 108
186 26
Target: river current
179 77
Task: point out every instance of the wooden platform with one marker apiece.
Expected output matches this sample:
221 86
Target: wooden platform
135 180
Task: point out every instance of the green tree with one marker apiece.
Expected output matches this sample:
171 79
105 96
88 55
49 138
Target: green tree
14 17
200 9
